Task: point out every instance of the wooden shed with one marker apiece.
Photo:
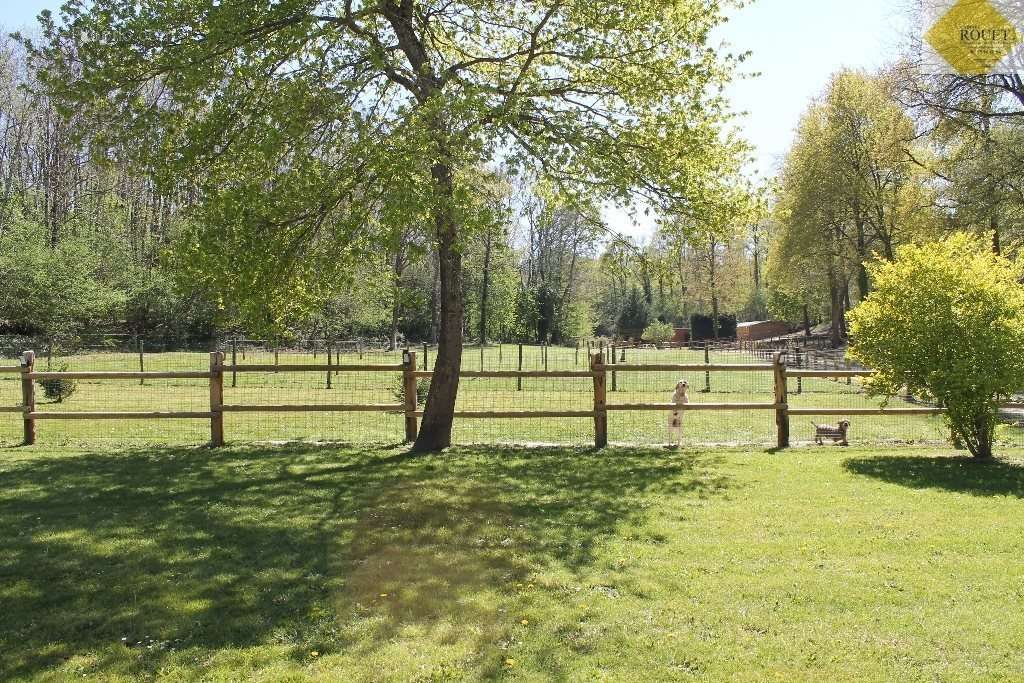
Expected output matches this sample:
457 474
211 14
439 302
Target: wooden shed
761 329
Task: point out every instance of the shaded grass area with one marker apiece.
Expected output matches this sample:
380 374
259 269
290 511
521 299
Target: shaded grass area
476 394
337 563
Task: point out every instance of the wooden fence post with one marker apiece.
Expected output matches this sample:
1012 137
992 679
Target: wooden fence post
329 363
781 411
142 360
600 401
799 365
216 398
28 396
707 375
411 402
519 380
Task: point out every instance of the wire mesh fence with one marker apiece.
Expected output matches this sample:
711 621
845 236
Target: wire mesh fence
320 390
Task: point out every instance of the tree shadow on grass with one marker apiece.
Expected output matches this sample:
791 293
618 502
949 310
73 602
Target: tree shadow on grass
960 474
146 558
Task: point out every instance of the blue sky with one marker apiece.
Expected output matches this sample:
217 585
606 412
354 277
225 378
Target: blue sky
796 46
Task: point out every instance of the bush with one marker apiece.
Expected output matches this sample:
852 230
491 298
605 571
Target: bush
703 327
946 321
659 332
634 316
422 389
58 389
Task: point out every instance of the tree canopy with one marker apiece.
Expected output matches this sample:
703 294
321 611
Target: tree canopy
315 131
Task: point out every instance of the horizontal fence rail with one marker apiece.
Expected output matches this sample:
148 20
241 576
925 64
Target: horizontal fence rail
269 367
683 407
602 369
144 415
119 375
316 407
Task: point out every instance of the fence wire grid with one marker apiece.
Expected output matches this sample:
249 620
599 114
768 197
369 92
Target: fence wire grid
277 388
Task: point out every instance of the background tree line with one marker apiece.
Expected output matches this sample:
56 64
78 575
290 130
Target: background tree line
886 159
90 244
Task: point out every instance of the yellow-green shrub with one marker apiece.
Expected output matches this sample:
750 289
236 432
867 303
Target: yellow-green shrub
946 320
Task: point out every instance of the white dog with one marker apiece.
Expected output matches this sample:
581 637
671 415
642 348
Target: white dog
675 420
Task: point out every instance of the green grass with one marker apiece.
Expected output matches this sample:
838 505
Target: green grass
510 564
744 427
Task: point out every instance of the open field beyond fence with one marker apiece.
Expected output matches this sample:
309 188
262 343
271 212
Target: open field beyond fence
549 394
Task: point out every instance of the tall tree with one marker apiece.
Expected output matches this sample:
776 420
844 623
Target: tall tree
297 118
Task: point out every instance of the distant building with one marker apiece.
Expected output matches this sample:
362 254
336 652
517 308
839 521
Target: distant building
761 329
681 336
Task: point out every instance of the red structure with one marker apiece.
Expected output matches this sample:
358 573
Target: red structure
681 336
761 329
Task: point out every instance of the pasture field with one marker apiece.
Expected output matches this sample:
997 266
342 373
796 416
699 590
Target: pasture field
307 562
732 428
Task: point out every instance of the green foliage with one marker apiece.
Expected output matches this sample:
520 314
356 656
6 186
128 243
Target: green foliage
58 389
658 332
304 179
634 315
786 304
579 321
422 389
55 289
703 327
946 321
525 315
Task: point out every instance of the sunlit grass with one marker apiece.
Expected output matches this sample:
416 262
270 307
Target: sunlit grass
326 563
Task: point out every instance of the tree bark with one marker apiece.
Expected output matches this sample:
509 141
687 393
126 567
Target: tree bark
807 321
434 299
436 429
845 309
862 256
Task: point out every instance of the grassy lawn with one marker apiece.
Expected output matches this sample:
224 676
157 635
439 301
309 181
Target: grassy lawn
741 427
353 564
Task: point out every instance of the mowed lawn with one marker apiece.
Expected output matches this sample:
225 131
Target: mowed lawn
311 562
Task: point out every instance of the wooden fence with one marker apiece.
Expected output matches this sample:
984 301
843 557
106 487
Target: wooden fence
599 372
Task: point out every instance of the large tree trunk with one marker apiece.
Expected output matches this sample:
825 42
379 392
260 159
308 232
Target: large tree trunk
434 299
436 429
807 321
980 445
845 309
862 256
